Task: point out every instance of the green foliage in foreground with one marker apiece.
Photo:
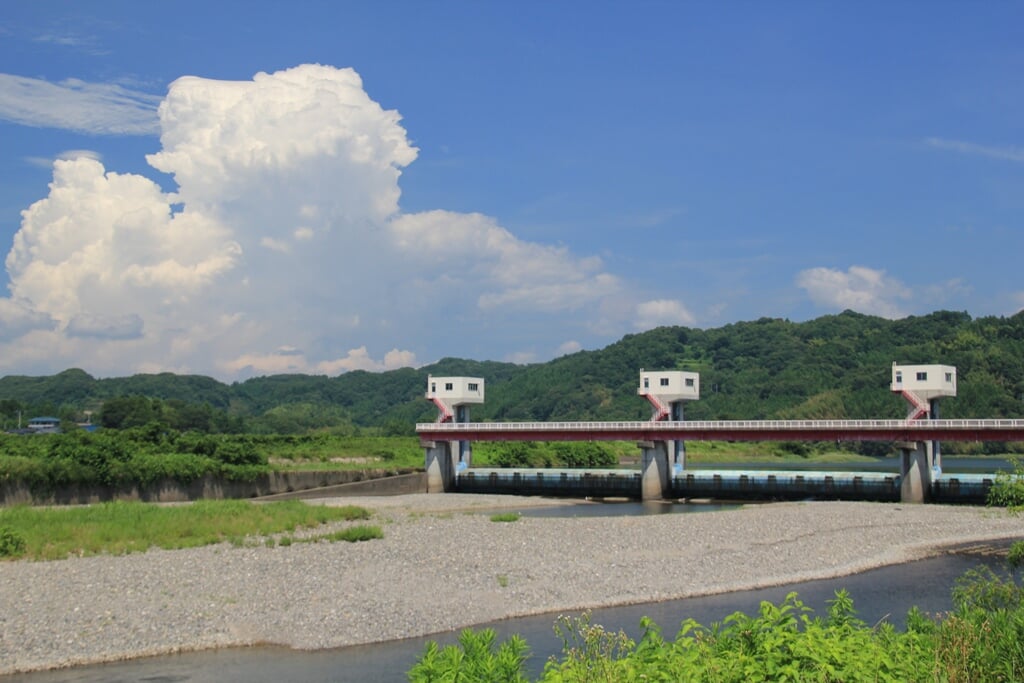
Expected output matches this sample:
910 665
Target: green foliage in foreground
981 640
120 528
1015 557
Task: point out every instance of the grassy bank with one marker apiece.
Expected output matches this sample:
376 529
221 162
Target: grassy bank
119 528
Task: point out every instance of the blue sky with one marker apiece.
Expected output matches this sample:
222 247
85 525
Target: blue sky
250 188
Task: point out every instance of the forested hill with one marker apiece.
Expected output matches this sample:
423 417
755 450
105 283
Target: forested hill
836 366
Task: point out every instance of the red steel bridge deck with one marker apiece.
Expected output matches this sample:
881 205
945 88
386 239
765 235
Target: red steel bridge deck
728 430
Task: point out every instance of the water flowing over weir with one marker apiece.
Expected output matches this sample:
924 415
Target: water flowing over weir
718 484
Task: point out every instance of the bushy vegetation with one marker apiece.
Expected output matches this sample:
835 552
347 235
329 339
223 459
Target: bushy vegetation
1008 489
836 366
12 543
119 528
541 454
981 640
145 455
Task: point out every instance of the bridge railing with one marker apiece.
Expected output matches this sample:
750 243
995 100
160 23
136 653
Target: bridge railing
722 425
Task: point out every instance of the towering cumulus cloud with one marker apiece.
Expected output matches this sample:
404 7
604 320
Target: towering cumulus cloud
282 249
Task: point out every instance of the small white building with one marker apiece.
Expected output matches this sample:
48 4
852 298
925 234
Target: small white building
45 425
455 390
925 381
670 385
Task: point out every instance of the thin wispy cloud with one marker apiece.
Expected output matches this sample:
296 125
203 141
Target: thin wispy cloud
1008 153
67 155
72 104
85 43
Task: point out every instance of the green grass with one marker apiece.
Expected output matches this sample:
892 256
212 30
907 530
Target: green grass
120 528
325 452
505 517
355 534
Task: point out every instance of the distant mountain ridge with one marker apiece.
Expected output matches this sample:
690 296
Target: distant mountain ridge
835 366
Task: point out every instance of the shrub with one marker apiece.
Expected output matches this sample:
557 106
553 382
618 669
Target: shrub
1008 489
1016 555
12 544
515 454
983 640
585 454
473 659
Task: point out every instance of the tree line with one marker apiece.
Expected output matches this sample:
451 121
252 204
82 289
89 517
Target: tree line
834 367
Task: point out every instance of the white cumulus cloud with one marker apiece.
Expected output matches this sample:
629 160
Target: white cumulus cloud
460 248
861 289
283 247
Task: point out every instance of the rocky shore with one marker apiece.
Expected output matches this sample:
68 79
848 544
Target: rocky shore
443 565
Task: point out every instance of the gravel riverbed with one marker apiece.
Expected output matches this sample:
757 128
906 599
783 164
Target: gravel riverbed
441 566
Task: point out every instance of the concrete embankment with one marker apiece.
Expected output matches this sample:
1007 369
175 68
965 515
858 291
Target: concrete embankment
280 484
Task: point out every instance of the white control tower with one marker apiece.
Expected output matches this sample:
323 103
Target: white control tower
453 396
922 386
666 390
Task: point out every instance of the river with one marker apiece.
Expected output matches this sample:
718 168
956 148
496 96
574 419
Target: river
880 594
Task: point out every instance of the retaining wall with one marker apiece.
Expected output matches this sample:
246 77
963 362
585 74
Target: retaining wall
171 491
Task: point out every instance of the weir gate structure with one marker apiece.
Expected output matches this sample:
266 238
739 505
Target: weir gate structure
663 472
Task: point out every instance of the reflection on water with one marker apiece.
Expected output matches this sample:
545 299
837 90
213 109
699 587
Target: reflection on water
608 508
881 594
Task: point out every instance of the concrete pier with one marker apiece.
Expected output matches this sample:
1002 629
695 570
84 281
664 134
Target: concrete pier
440 466
655 478
915 471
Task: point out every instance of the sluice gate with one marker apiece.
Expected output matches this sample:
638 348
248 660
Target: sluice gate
721 484
662 443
